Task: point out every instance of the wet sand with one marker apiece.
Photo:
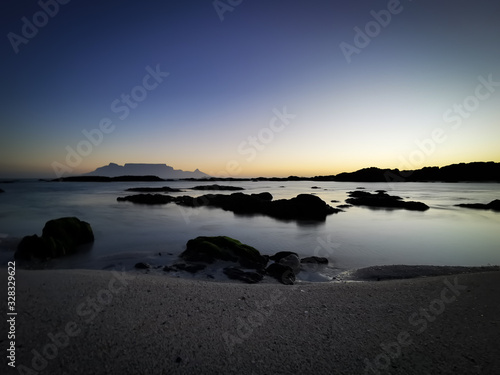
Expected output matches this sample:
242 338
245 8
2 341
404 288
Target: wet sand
109 322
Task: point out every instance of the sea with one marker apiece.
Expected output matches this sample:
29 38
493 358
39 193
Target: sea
127 233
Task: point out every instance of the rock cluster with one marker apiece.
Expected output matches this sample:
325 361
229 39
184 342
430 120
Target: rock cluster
250 266
163 189
217 187
384 200
302 207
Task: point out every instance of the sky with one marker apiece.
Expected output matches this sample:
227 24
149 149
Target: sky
240 88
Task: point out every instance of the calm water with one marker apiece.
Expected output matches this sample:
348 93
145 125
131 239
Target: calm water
126 233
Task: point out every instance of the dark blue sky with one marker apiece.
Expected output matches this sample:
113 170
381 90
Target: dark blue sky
267 90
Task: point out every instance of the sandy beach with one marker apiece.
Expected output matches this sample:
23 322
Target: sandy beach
111 322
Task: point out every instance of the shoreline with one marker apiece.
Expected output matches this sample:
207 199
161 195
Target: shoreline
112 322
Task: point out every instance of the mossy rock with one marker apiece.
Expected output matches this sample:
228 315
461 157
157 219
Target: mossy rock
209 249
60 237
69 231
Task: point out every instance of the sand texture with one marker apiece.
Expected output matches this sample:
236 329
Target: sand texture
105 322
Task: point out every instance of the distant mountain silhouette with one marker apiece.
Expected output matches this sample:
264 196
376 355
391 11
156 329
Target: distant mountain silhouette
132 169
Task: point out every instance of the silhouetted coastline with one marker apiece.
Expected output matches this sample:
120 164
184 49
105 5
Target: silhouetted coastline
462 172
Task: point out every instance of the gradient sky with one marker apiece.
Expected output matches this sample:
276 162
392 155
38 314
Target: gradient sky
407 99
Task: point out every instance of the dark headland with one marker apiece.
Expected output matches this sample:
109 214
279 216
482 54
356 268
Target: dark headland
462 172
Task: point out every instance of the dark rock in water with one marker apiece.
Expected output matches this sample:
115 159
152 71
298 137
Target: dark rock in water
287 258
263 196
37 247
168 269
315 187
282 273
2 191
59 237
238 274
341 206
191 268
302 207
384 200
164 189
209 249
142 266
282 254
314 260
217 187
334 201
292 261
147 199
493 205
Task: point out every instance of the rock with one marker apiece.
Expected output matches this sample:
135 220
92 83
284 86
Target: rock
282 254
282 273
493 205
384 200
142 266
164 189
147 199
209 249
59 237
217 187
315 187
292 261
342 206
238 274
191 268
314 260
287 258
302 207
37 247
2 191
263 196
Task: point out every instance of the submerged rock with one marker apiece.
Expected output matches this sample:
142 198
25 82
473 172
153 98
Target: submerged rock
191 268
164 189
245 276
383 200
209 249
142 266
493 205
59 237
2 191
147 199
314 260
217 187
